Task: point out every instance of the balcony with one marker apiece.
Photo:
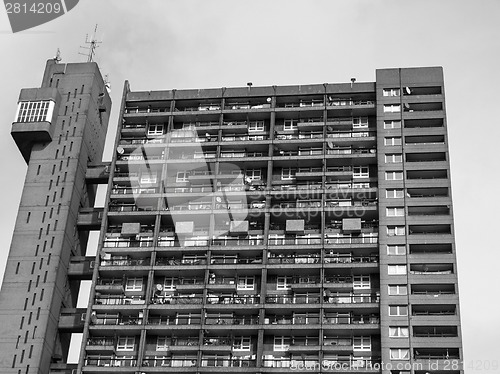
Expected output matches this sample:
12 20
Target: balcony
110 361
119 300
100 344
232 299
187 299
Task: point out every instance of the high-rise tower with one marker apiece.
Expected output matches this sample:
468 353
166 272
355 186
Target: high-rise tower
263 230
60 129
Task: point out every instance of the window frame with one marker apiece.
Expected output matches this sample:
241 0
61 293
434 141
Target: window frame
242 343
137 284
394 124
397 269
393 158
361 171
403 353
391 92
281 343
181 179
394 211
400 249
154 129
392 108
363 283
162 346
401 310
286 282
400 289
393 141
259 126
126 346
288 174
395 175
290 124
365 343
396 230
394 193
360 122
244 285
399 332
34 111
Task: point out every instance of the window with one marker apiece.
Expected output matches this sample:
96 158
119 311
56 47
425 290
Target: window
281 343
246 282
162 343
394 193
398 289
148 178
392 108
396 249
283 283
35 111
361 172
125 343
361 343
393 175
361 281
288 173
398 332
290 124
256 126
391 92
396 230
155 130
182 176
241 343
392 140
393 158
395 212
359 122
253 174
396 269
169 283
134 284
392 125
400 354
398 310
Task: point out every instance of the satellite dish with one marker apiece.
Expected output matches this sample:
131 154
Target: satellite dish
330 128
408 91
268 100
120 150
330 144
218 199
159 287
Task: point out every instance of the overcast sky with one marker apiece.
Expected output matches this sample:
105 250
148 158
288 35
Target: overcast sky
161 44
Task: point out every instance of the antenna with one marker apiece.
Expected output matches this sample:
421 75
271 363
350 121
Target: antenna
107 83
58 57
93 44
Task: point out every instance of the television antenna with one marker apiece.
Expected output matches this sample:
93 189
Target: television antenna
58 57
93 43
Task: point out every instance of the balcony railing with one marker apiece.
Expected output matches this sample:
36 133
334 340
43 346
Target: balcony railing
111 361
119 300
179 300
279 299
110 320
243 320
228 299
176 321
180 261
128 262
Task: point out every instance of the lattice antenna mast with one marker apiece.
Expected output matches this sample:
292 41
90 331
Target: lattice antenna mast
92 45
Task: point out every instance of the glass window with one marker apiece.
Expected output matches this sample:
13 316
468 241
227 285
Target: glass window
148 178
283 283
392 108
182 176
392 125
395 212
393 175
246 282
398 289
125 343
396 249
400 354
394 193
361 281
396 269
256 126
35 111
281 343
359 122
242 343
253 174
361 172
134 284
162 343
290 124
392 140
396 230
361 343
398 332
391 92
155 129
393 158
398 310
288 173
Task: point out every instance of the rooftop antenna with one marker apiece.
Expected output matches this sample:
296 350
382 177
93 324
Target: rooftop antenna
93 44
352 81
58 57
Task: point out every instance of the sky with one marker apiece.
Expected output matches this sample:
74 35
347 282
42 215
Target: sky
166 44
